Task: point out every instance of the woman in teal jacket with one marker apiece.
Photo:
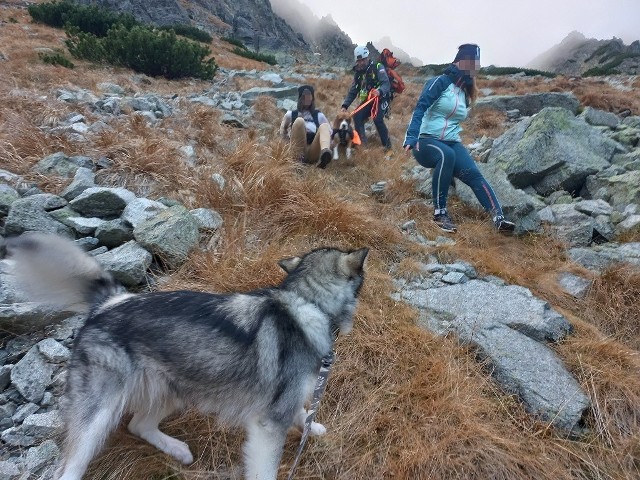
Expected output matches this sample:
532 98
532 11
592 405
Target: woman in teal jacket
434 137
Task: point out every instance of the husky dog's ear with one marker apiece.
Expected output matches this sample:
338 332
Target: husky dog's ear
289 264
353 262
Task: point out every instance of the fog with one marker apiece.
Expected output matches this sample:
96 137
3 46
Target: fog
509 32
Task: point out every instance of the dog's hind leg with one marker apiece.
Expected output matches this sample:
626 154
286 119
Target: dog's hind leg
263 449
144 424
87 428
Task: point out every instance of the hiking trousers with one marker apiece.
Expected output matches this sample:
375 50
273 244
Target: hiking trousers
363 115
309 152
449 160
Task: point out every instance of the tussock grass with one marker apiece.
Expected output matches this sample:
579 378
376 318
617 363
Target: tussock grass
400 403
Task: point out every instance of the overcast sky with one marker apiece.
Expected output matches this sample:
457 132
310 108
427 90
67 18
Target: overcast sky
509 32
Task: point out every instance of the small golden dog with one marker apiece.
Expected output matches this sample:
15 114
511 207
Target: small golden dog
342 136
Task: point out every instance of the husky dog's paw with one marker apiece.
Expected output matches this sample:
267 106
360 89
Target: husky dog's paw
317 429
178 450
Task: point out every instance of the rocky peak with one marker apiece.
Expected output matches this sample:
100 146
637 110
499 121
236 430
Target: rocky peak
577 55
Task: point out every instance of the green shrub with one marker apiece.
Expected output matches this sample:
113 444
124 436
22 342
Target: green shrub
152 52
51 14
87 18
234 41
261 57
56 59
191 32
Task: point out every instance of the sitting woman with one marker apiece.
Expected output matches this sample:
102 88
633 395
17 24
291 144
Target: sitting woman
308 129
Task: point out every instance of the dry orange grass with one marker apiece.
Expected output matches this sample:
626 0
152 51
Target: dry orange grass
401 403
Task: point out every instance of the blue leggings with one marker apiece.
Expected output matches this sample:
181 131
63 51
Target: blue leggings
451 159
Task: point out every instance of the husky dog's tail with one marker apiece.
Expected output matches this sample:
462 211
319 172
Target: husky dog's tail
55 271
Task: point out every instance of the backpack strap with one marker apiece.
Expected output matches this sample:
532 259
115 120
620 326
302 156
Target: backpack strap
314 114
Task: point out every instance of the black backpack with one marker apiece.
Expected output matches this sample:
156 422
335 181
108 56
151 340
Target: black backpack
314 114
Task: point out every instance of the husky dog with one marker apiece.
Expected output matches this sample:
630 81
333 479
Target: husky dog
251 358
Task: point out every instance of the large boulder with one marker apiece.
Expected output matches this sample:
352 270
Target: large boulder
509 328
552 151
102 202
619 190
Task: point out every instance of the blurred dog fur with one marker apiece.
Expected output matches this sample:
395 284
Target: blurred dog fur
342 136
251 358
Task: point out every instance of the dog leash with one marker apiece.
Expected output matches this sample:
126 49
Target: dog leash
321 383
374 109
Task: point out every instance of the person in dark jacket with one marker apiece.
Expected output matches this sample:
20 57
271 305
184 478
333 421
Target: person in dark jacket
308 129
433 136
369 79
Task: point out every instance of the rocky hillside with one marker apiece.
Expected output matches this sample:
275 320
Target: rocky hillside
578 55
473 355
251 21
323 34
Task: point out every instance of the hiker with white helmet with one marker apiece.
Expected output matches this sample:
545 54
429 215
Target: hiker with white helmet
372 88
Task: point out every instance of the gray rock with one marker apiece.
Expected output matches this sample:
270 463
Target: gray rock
601 257
127 263
8 195
271 77
551 151
23 411
594 116
102 202
629 224
26 316
207 218
84 178
9 470
282 92
32 375
171 234
140 210
42 425
113 233
571 226
619 190
232 121
31 214
41 455
507 324
61 165
5 376
593 208
16 437
574 285
454 278
530 104
111 88
54 351
546 388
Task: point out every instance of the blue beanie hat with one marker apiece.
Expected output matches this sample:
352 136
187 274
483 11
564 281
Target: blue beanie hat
468 51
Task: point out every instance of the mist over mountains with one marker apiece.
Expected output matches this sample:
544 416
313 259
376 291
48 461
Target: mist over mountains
290 29
578 55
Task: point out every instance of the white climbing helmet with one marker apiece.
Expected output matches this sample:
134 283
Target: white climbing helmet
360 51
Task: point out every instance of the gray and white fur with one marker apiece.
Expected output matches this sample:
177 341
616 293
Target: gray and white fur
250 358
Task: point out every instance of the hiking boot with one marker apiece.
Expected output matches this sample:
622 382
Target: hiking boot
503 225
325 158
445 223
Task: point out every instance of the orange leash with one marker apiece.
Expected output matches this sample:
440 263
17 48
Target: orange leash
374 109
